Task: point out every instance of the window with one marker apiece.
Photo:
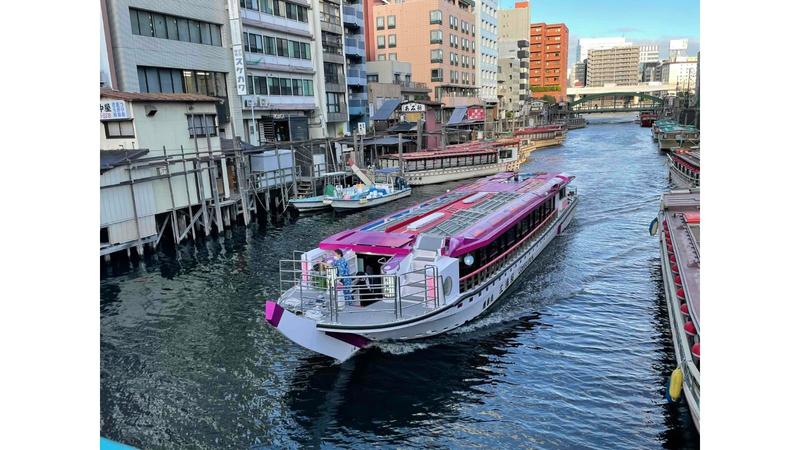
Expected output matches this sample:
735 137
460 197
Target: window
381 41
381 57
436 36
436 17
333 103
436 56
333 73
392 40
392 56
391 23
453 41
202 125
164 26
379 22
372 78
453 23
119 129
436 75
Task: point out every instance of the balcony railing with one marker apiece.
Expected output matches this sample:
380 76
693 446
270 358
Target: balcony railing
357 77
352 16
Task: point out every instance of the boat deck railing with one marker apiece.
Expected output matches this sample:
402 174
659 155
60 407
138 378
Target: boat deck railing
318 292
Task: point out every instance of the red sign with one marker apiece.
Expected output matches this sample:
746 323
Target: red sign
476 113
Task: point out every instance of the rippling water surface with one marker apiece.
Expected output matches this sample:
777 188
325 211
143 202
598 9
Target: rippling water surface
575 356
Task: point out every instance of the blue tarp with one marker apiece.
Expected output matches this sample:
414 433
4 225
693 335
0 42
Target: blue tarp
457 116
386 109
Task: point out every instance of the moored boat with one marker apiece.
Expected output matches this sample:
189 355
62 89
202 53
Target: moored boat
684 167
532 138
312 203
678 136
679 236
423 270
388 186
456 162
646 119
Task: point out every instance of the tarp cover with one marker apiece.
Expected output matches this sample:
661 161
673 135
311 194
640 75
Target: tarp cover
457 116
386 109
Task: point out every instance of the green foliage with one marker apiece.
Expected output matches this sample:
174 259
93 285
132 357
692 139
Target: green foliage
545 88
549 99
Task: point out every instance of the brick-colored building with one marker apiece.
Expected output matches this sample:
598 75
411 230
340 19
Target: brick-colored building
438 38
549 47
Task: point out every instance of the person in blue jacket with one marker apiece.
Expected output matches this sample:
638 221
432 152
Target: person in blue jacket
342 270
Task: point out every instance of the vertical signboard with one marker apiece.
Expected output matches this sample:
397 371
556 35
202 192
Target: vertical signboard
236 44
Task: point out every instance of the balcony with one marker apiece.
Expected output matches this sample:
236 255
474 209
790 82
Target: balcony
357 77
352 17
354 47
411 86
523 54
357 107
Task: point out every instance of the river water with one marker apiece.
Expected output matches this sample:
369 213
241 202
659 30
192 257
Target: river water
576 355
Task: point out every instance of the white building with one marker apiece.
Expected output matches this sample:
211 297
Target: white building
682 72
486 70
602 43
154 153
649 53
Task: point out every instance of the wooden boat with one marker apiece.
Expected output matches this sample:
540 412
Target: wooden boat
684 167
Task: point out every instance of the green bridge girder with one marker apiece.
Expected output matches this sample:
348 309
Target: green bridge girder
641 95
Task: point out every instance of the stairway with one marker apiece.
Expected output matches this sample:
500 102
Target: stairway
304 189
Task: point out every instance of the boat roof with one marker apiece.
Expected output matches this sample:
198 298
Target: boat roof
465 149
690 156
539 129
682 216
468 217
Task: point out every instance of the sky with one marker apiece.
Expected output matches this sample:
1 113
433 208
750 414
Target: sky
636 20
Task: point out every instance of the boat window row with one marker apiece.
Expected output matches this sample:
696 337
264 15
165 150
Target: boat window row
480 258
537 136
445 162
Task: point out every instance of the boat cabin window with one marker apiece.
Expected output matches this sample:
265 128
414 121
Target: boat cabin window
486 254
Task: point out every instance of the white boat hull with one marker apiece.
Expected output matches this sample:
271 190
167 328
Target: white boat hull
304 205
347 205
468 306
435 176
680 179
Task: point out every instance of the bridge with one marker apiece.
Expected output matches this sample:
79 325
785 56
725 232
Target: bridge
606 99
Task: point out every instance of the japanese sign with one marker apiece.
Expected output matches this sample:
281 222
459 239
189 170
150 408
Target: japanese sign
412 107
238 65
362 128
113 109
477 113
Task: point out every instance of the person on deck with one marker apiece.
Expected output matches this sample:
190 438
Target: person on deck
342 270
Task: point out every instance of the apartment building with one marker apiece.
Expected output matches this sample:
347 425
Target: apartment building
614 66
437 37
170 46
513 89
486 71
278 44
600 43
330 66
549 47
391 80
355 58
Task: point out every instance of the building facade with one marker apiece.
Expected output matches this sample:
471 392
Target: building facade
170 46
330 66
677 48
586 44
279 56
682 72
513 88
549 48
391 80
355 55
580 74
437 37
486 70
614 66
